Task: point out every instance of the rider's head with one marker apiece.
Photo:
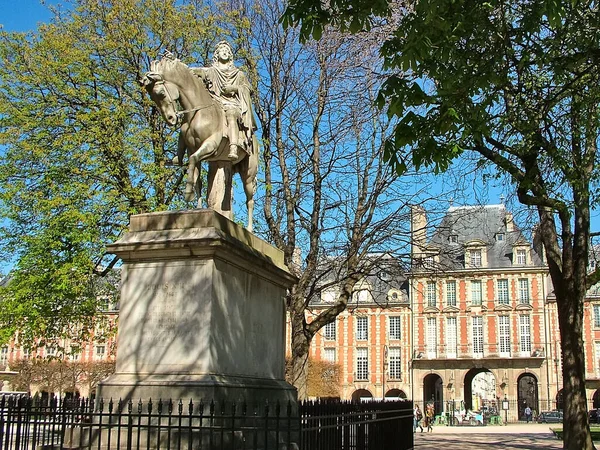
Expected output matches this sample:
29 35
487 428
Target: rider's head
223 51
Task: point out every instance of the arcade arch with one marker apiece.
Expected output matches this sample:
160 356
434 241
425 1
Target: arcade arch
527 394
361 393
433 391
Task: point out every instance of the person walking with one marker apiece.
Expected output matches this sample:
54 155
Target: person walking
429 418
528 414
417 416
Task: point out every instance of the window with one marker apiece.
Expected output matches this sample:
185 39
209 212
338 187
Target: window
499 237
395 326
50 351
502 287
453 238
451 293
477 336
328 296
431 337
362 364
597 316
329 354
476 293
395 363
504 335
4 355
431 300
100 351
25 353
475 257
524 291
525 334
429 262
329 331
451 333
521 256
362 328
75 352
361 296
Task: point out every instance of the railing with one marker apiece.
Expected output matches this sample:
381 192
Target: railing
28 424
469 351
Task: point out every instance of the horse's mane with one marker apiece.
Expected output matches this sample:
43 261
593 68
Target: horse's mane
168 64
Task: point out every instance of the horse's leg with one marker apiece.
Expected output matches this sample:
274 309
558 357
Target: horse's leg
207 148
248 169
219 187
181 146
198 184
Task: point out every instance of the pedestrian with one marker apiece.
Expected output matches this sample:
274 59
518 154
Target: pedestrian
528 414
417 416
429 418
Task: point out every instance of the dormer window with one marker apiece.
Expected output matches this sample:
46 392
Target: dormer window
521 257
499 237
475 257
453 239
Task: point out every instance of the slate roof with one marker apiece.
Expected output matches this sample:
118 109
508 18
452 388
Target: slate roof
478 223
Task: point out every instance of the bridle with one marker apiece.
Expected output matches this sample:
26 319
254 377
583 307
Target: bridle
173 102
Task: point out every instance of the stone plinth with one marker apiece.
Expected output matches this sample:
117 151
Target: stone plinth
202 312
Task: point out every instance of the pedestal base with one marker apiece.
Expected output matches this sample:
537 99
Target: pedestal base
202 313
205 388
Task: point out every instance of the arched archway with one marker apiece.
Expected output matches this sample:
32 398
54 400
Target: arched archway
527 394
559 400
433 392
480 384
396 393
361 393
595 398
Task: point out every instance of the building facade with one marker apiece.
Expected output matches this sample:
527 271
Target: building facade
472 323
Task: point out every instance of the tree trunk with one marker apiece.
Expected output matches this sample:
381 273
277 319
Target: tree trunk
570 315
300 349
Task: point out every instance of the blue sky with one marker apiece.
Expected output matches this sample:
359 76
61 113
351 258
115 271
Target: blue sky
23 15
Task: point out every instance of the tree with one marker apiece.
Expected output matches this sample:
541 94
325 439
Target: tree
331 204
323 379
83 148
59 375
514 83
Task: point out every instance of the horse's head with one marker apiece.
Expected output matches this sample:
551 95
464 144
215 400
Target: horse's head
164 93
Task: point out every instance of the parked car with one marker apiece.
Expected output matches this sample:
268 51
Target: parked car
550 417
594 416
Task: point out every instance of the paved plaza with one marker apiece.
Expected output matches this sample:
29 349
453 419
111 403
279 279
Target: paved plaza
509 437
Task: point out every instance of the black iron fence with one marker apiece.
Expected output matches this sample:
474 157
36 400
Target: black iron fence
30 424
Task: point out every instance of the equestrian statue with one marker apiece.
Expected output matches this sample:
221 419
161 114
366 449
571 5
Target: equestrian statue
217 124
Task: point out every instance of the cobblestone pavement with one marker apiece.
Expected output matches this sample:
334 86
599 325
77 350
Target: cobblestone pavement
510 437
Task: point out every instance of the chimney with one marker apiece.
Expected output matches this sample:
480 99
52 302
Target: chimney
418 228
510 225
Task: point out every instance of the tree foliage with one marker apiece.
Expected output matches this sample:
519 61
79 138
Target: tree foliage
514 83
83 147
323 378
59 375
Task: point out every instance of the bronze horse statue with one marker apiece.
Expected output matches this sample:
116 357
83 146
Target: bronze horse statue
170 82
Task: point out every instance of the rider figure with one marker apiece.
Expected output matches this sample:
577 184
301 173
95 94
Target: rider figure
230 87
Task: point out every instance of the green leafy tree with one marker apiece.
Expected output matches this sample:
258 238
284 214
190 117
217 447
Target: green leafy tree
516 84
83 148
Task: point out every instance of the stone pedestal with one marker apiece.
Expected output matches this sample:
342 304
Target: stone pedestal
202 313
